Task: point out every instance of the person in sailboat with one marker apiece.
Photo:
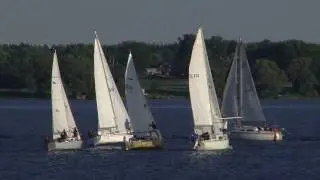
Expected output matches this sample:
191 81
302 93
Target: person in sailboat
127 125
194 137
224 131
63 135
90 134
205 136
75 132
153 125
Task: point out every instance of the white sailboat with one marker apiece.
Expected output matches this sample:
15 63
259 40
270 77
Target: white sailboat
65 133
240 99
113 119
146 135
209 126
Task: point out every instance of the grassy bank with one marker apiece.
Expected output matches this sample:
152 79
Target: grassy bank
164 88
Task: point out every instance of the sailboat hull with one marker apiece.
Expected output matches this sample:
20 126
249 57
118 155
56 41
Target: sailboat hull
213 144
66 145
153 141
143 145
109 139
256 135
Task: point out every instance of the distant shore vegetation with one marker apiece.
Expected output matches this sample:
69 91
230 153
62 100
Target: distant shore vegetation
284 69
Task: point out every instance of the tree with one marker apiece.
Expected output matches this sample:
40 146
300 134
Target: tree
301 76
269 78
181 62
27 68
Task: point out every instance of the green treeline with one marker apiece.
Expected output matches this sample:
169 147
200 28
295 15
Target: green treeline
287 68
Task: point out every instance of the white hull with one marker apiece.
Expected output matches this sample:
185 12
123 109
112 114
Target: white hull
108 139
256 135
66 145
213 144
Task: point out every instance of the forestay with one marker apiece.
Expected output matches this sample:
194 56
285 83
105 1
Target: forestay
203 97
62 118
139 112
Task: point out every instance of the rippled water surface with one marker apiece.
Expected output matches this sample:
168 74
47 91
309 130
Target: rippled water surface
24 123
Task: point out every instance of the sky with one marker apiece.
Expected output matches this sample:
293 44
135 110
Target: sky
161 21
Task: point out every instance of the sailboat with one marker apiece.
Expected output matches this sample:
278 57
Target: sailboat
240 99
65 132
146 135
113 119
209 127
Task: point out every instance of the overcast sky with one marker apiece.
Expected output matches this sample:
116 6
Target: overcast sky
70 21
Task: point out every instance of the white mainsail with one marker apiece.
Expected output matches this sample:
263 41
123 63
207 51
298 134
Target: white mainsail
111 110
62 118
140 114
240 97
204 102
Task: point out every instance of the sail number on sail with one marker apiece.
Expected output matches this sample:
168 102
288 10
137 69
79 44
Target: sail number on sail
194 75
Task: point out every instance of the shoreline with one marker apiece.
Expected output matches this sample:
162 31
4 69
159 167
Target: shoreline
152 97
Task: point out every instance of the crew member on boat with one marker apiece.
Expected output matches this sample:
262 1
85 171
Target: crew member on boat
205 136
153 125
224 131
75 132
194 137
63 135
90 134
127 125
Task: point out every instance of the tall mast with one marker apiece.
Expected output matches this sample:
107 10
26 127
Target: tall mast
240 77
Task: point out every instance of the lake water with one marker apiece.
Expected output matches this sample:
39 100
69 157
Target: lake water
24 123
